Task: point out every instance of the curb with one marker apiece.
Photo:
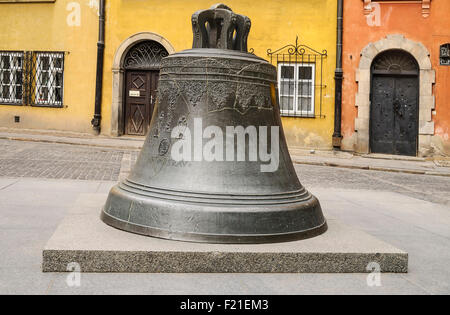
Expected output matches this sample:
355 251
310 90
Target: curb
373 168
55 141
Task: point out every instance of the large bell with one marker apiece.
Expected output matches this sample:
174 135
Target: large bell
215 165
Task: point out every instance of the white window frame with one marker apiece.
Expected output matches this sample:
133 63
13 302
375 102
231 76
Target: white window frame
50 100
296 111
11 99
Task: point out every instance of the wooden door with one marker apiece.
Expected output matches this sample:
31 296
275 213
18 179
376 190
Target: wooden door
140 96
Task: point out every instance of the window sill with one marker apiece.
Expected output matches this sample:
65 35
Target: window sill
299 115
11 104
48 106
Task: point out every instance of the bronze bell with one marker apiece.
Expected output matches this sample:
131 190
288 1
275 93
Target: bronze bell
215 166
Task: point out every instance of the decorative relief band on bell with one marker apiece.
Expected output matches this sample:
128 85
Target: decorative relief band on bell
227 84
258 67
222 95
235 78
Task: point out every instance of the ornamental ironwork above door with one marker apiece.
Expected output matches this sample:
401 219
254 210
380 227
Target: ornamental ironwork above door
145 55
395 62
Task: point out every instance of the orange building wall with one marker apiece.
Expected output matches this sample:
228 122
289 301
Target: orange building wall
405 19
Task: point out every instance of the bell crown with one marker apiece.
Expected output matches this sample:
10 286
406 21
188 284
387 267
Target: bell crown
219 27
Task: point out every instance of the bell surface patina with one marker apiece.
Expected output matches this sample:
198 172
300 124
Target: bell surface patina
215 166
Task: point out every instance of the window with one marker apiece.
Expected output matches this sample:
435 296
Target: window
49 79
445 55
11 77
32 78
296 89
301 85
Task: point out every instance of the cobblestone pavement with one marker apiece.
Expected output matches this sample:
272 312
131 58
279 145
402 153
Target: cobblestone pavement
59 161
425 187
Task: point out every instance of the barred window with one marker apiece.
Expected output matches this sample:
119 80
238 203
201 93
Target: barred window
49 79
301 85
32 78
296 88
11 77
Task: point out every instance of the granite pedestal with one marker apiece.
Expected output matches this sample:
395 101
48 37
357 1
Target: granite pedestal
84 239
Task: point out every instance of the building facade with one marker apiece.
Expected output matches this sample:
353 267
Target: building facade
49 53
396 86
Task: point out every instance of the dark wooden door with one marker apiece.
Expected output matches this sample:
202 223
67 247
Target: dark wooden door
394 115
140 96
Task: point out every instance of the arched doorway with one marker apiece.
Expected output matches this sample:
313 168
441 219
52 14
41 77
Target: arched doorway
141 65
394 107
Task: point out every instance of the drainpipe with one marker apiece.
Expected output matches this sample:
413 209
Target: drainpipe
338 76
96 121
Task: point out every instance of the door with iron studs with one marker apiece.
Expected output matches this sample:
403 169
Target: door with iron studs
394 115
394 106
140 96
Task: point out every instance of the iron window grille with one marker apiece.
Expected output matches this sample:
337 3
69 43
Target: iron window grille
47 81
444 58
32 78
300 80
11 77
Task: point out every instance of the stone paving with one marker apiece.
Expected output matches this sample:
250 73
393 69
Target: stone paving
437 165
59 161
425 187
65 161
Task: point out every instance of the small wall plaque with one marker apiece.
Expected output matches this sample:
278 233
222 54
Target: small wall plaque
445 55
135 93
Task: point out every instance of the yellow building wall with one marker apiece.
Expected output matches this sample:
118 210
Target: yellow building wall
45 27
275 23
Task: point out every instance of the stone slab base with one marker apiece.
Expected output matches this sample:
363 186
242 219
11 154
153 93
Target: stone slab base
82 238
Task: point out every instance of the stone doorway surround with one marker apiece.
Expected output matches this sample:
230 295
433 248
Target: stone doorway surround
119 79
426 97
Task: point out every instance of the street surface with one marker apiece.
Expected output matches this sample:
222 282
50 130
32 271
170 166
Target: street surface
40 181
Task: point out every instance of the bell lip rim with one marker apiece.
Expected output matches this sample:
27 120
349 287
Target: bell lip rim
226 239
